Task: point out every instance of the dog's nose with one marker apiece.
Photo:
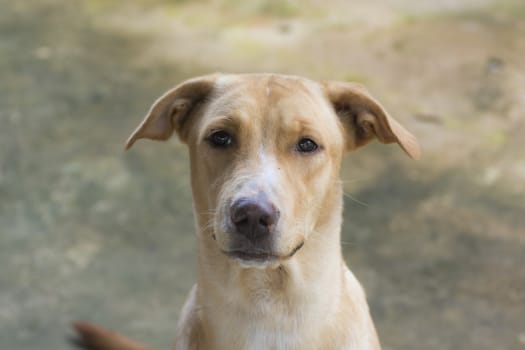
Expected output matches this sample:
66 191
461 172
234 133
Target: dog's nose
254 218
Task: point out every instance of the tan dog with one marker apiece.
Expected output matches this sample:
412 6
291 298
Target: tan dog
265 154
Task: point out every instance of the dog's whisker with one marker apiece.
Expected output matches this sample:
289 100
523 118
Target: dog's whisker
208 212
354 180
348 243
355 200
205 228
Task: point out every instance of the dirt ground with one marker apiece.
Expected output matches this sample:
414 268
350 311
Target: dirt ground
90 232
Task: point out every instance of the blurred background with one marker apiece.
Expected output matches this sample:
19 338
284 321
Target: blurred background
90 232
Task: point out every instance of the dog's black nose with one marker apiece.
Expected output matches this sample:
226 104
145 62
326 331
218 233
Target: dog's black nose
254 218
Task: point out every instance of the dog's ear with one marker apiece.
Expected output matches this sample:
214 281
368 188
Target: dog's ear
172 110
365 119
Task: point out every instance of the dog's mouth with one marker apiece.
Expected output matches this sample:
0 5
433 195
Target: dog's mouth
258 256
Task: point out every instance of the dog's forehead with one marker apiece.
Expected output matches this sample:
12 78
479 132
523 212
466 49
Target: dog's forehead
259 94
263 79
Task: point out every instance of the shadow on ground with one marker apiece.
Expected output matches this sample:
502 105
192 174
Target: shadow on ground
439 258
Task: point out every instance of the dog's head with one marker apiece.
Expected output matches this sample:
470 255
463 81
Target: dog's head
265 154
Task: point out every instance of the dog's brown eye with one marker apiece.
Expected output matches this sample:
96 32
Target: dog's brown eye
220 139
306 145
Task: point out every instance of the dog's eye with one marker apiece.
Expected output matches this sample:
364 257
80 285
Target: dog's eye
306 145
220 139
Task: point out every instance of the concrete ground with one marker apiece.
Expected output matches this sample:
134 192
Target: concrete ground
90 232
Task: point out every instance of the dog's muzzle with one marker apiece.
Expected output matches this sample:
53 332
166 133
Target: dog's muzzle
253 231
253 225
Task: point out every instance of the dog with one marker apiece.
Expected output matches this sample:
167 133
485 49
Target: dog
265 154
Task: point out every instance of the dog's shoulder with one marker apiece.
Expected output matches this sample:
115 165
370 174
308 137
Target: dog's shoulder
189 328
364 336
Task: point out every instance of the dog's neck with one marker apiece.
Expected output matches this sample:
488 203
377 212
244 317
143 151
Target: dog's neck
294 290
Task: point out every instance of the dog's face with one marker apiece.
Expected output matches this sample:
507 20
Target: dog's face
265 153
